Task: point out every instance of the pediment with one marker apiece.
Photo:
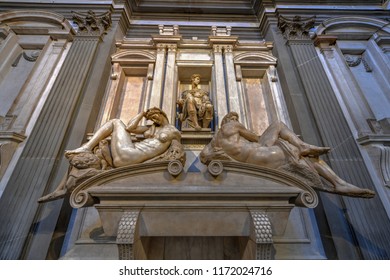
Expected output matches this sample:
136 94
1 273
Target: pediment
255 59
133 56
352 27
36 22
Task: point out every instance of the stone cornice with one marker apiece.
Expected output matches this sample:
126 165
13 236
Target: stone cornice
374 139
12 136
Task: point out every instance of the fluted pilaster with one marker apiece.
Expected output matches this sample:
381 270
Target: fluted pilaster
43 146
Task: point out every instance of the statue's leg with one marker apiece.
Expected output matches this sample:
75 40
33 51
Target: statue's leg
121 143
280 130
58 193
208 115
340 186
103 132
192 113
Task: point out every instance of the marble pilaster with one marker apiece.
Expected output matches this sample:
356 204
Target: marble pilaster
168 102
158 77
234 100
32 171
220 94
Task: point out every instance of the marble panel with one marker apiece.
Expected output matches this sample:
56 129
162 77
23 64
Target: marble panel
256 105
131 102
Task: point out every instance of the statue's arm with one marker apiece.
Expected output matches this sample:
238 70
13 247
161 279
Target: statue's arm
247 134
133 126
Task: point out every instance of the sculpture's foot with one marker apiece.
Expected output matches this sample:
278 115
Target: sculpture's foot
351 190
313 151
77 151
53 196
197 127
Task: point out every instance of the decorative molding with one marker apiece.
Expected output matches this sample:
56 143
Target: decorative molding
339 23
306 198
215 167
172 47
296 28
167 34
255 59
175 167
6 122
272 73
263 235
92 24
325 43
221 31
352 60
115 71
134 56
126 235
355 60
168 30
228 48
217 49
161 48
40 22
385 164
81 197
366 65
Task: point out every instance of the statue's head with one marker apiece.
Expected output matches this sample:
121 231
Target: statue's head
194 76
155 114
229 117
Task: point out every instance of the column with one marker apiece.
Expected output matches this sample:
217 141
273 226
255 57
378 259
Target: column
18 204
158 77
220 94
169 99
243 100
234 101
366 217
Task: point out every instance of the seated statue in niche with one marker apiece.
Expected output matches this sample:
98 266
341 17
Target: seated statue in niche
195 106
278 148
161 143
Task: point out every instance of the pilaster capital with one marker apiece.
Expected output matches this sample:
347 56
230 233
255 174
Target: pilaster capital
217 48
91 24
223 48
228 49
161 48
172 48
296 28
